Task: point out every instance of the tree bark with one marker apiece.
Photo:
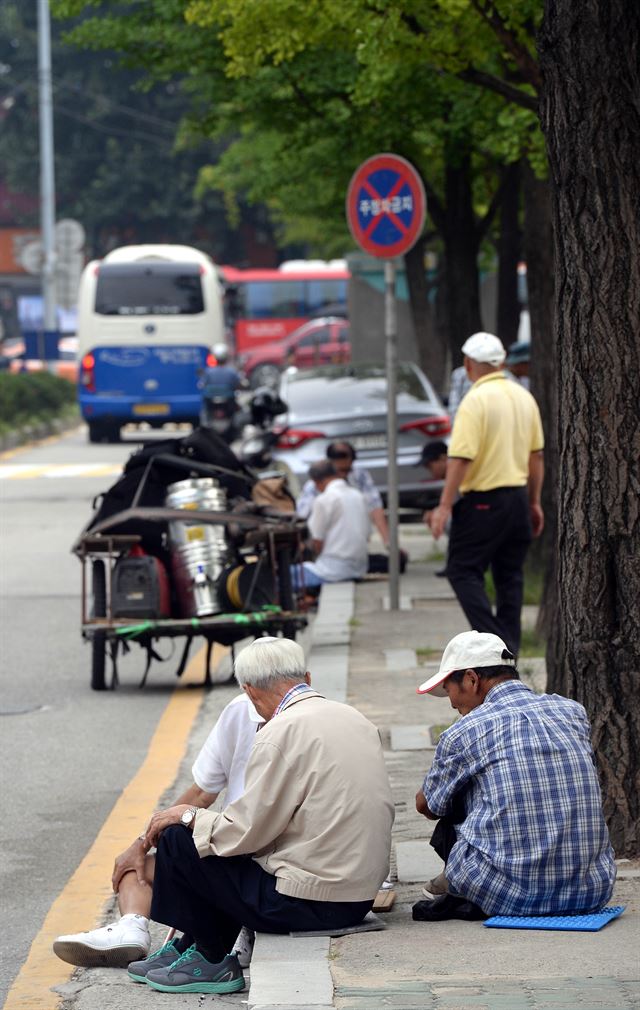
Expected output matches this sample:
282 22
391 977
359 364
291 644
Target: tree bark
509 254
590 113
432 348
538 249
461 237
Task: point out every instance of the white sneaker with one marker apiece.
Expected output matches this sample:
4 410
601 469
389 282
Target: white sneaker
112 946
243 946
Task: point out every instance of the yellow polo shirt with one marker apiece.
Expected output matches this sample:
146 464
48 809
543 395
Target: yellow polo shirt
497 427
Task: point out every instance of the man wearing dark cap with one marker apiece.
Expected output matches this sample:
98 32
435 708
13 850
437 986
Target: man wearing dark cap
518 360
496 465
514 788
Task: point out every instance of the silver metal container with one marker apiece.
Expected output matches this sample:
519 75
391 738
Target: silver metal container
198 551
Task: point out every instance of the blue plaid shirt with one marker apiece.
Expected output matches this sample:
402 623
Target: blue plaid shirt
534 840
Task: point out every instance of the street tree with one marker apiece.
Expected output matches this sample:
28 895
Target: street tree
590 64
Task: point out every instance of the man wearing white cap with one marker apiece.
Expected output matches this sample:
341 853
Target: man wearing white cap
495 463
515 789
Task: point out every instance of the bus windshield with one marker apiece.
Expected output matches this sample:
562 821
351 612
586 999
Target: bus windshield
149 289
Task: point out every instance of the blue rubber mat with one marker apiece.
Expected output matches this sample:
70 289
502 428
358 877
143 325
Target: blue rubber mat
584 923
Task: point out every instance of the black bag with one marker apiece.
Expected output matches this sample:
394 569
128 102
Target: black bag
149 471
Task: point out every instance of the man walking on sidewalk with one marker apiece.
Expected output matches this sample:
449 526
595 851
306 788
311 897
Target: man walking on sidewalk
515 791
495 462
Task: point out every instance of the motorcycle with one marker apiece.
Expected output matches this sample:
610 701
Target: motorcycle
224 415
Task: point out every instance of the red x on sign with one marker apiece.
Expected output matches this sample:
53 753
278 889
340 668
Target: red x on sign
386 205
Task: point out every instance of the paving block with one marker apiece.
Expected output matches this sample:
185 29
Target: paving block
279 947
411 738
417 861
291 983
400 659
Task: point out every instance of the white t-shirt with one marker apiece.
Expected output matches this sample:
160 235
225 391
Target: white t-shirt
225 753
340 519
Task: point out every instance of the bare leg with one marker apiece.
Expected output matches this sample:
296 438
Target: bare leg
134 897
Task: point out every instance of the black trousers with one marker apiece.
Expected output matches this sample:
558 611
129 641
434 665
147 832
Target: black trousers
212 898
490 529
445 835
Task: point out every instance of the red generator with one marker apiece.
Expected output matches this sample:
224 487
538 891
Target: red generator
140 587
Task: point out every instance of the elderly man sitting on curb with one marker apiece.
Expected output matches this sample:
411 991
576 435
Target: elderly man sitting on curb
514 786
339 529
288 854
219 765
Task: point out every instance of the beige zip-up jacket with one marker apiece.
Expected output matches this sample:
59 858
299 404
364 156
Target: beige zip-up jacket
317 809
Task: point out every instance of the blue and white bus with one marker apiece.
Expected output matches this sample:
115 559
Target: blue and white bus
148 316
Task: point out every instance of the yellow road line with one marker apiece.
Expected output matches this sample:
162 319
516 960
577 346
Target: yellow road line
80 903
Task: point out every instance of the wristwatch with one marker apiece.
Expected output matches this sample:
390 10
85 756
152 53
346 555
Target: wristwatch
187 816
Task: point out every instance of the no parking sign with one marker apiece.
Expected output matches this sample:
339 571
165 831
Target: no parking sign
386 205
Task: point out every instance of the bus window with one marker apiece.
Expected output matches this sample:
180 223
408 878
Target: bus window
326 297
141 289
275 300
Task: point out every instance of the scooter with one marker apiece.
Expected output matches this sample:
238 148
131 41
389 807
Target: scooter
223 415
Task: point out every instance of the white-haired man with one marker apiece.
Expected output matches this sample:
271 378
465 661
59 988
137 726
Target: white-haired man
288 854
515 791
220 765
495 463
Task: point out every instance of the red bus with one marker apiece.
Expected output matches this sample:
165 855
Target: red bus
263 306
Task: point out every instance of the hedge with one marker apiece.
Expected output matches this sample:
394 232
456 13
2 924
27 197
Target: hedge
29 397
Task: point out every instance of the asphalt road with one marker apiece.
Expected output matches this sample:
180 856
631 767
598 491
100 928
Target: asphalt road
67 751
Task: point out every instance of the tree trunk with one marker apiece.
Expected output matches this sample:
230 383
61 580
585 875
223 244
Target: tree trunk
432 349
462 241
538 248
590 113
509 254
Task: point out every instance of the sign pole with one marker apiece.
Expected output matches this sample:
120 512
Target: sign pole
391 335
386 207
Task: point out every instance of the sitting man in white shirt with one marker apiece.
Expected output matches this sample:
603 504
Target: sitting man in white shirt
339 528
220 764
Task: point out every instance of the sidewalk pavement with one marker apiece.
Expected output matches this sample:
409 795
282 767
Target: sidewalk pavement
362 653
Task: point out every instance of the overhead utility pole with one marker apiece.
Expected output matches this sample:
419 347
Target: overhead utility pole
47 179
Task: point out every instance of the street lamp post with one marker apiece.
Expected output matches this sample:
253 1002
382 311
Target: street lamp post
47 178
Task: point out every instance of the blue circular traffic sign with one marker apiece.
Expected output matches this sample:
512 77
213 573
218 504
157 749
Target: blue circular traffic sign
386 205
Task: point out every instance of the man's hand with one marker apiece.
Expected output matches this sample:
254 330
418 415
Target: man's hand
421 804
438 519
132 859
537 519
161 820
423 807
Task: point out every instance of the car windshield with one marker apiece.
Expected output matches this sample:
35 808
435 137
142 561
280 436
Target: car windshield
314 391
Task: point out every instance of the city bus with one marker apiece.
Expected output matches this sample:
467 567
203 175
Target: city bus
148 316
263 306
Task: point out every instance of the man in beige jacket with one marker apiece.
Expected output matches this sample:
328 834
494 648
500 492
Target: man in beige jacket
306 846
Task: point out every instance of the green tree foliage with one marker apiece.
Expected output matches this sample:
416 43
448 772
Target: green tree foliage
126 166
298 93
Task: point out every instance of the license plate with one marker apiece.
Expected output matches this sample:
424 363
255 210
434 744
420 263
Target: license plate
150 408
369 441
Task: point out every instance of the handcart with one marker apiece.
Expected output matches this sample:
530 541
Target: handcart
251 596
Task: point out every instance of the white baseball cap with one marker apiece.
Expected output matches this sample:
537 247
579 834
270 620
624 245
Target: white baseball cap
468 651
485 348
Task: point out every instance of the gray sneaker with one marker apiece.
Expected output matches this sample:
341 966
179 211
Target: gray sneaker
193 973
161 958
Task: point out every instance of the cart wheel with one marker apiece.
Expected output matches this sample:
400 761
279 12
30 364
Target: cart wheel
99 638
